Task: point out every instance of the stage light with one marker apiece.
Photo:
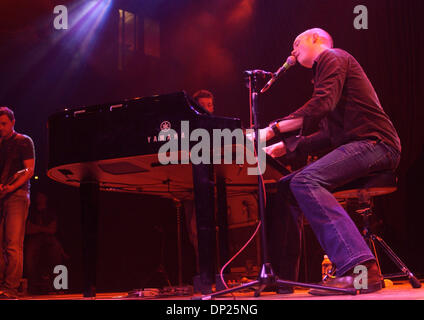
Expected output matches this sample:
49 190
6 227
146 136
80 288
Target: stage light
55 46
85 22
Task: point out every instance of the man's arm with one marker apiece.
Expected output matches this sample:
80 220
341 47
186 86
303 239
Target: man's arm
29 165
331 74
282 126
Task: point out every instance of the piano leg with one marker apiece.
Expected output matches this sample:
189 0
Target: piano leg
204 201
178 205
222 222
89 198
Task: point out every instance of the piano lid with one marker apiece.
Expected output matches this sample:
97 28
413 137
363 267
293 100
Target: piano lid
123 129
116 144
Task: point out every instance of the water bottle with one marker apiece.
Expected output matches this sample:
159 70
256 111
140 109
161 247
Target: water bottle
326 268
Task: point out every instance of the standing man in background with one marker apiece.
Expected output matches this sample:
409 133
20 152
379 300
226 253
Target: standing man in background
17 161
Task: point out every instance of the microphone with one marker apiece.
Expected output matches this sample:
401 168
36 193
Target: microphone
290 62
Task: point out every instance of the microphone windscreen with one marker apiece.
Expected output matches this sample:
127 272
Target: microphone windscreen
291 60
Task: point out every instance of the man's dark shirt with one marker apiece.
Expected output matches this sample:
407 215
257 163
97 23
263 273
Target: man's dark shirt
13 152
344 105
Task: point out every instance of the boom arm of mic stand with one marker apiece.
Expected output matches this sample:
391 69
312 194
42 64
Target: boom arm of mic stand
258 72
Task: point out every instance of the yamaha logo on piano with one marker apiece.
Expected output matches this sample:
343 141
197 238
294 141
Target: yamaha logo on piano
165 126
166 133
161 137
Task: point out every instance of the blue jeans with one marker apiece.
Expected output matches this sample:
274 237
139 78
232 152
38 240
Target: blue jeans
308 192
13 215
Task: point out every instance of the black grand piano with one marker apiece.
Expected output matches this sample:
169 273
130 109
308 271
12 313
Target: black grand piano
114 147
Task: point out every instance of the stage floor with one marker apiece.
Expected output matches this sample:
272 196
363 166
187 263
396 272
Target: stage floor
397 290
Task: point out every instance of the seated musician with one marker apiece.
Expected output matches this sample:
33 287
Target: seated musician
343 117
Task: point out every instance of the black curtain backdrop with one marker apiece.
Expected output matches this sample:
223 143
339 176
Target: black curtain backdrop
207 45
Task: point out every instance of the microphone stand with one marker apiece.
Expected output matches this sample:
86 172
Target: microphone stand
266 276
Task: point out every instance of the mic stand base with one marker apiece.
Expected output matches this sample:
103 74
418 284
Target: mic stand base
267 278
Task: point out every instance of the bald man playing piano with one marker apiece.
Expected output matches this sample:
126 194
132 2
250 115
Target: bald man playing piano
343 120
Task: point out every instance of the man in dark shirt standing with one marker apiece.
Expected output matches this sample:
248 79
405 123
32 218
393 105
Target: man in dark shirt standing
344 117
17 162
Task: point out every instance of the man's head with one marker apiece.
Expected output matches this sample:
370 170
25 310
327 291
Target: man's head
205 99
308 46
7 122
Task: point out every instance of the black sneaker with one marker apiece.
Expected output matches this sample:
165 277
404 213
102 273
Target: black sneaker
348 282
